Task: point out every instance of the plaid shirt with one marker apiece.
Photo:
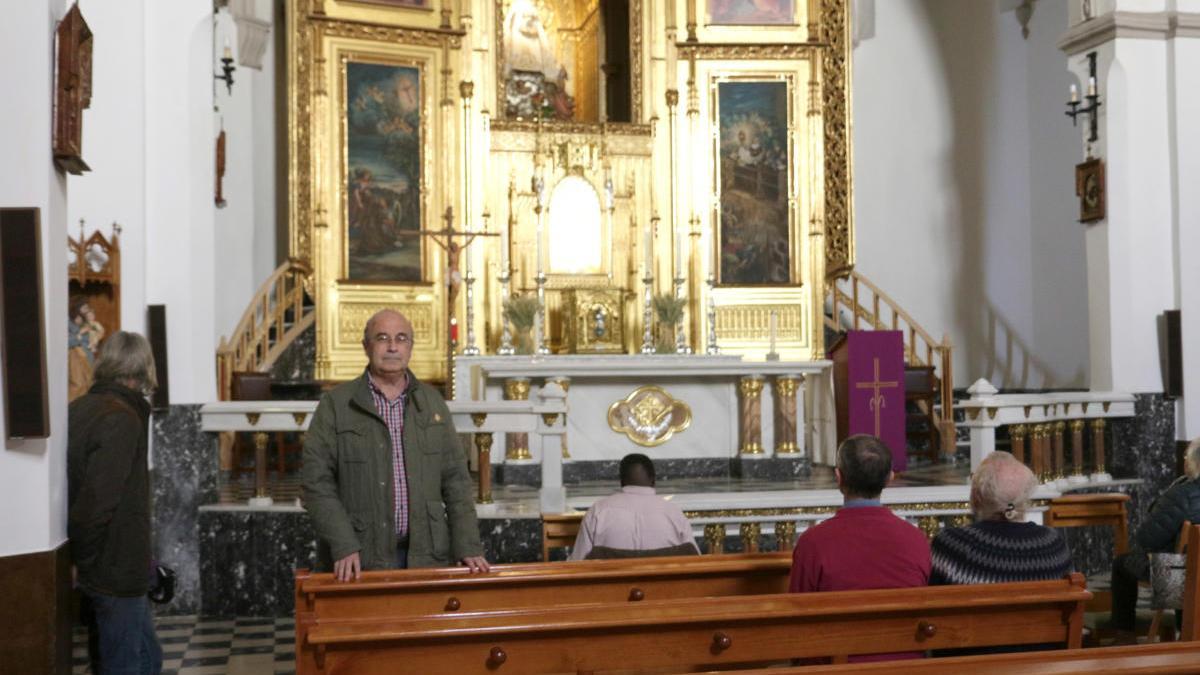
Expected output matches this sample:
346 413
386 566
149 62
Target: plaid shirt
392 412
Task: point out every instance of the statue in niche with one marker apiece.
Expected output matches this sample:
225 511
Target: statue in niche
84 334
535 79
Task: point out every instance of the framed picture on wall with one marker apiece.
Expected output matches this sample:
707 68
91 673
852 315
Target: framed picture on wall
1089 186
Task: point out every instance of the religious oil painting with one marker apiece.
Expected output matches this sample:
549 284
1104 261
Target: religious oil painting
383 169
754 243
410 4
751 12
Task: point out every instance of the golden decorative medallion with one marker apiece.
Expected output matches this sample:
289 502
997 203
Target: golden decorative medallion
649 416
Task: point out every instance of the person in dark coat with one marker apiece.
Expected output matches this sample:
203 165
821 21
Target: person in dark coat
108 521
1157 534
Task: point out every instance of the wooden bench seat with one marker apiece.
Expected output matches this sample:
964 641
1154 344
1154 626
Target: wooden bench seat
420 592
1173 657
703 632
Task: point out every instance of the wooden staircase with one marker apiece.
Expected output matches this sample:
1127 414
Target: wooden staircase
279 312
929 366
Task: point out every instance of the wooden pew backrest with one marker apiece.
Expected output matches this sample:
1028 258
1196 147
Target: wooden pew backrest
698 632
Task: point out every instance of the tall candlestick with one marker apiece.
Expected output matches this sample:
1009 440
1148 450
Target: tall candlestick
648 254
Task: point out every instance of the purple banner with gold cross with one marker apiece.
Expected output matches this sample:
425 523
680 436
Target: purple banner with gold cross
875 389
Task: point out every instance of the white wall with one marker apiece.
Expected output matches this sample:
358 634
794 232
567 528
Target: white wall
180 156
33 472
246 226
1186 225
114 146
964 186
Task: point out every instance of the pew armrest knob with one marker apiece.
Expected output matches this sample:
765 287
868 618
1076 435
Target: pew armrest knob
636 595
453 604
497 657
926 629
721 641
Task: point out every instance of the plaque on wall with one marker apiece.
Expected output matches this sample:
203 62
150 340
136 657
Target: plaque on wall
23 366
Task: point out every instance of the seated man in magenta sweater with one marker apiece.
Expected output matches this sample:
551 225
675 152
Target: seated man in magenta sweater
864 545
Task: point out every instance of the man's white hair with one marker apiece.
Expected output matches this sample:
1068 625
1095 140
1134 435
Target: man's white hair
1191 459
1001 488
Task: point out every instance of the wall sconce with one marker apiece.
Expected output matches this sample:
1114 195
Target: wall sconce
1092 109
227 67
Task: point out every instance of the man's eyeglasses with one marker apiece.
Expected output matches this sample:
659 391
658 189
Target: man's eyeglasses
399 338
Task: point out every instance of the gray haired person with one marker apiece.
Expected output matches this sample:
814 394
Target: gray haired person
1000 546
108 493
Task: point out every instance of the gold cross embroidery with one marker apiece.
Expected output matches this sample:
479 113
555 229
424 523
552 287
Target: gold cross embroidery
877 401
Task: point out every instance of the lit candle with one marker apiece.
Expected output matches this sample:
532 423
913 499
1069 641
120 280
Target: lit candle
505 234
228 53
774 327
1074 93
649 246
678 252
1092 86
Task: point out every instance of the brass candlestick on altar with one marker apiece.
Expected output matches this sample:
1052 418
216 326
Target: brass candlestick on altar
467 89
711 316
505 277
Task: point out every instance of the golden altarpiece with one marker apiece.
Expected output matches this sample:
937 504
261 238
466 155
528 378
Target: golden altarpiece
445 156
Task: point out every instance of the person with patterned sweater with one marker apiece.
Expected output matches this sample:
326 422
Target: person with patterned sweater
999 547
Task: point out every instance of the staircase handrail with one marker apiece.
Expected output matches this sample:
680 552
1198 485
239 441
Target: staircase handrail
913 333
252 347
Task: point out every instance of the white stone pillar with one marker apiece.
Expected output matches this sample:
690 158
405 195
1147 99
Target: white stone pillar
552 496
1183 50
1130 253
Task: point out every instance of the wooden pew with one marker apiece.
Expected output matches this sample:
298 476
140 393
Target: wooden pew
1170 657
703 632
1093 510
418 592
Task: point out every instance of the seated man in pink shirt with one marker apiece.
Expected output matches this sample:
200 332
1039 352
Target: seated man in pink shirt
864 545
635 521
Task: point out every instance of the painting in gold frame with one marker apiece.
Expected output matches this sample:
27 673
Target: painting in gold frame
753 181
383 141
747 13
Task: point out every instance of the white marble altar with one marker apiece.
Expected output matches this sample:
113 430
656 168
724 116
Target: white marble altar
707 384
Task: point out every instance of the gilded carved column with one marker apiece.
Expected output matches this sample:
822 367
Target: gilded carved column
1098 446
483 444
1060 460
517 389
1041 437
1077 447
750 532
786 387
785 535
714 537
565 383
260 465
1017 434
750 422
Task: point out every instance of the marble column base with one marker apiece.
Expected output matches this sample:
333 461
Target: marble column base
247 560
777 467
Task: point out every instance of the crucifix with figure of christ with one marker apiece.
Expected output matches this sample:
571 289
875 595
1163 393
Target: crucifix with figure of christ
445 238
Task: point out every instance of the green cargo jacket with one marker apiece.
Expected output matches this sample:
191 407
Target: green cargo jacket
349 490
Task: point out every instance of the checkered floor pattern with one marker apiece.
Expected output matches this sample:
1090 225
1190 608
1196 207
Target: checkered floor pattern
192 646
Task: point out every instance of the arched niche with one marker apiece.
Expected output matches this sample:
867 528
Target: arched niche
575 232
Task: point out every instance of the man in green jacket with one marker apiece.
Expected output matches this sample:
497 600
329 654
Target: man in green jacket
385 479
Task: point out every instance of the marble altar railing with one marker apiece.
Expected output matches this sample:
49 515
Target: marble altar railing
1037 427
544 417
